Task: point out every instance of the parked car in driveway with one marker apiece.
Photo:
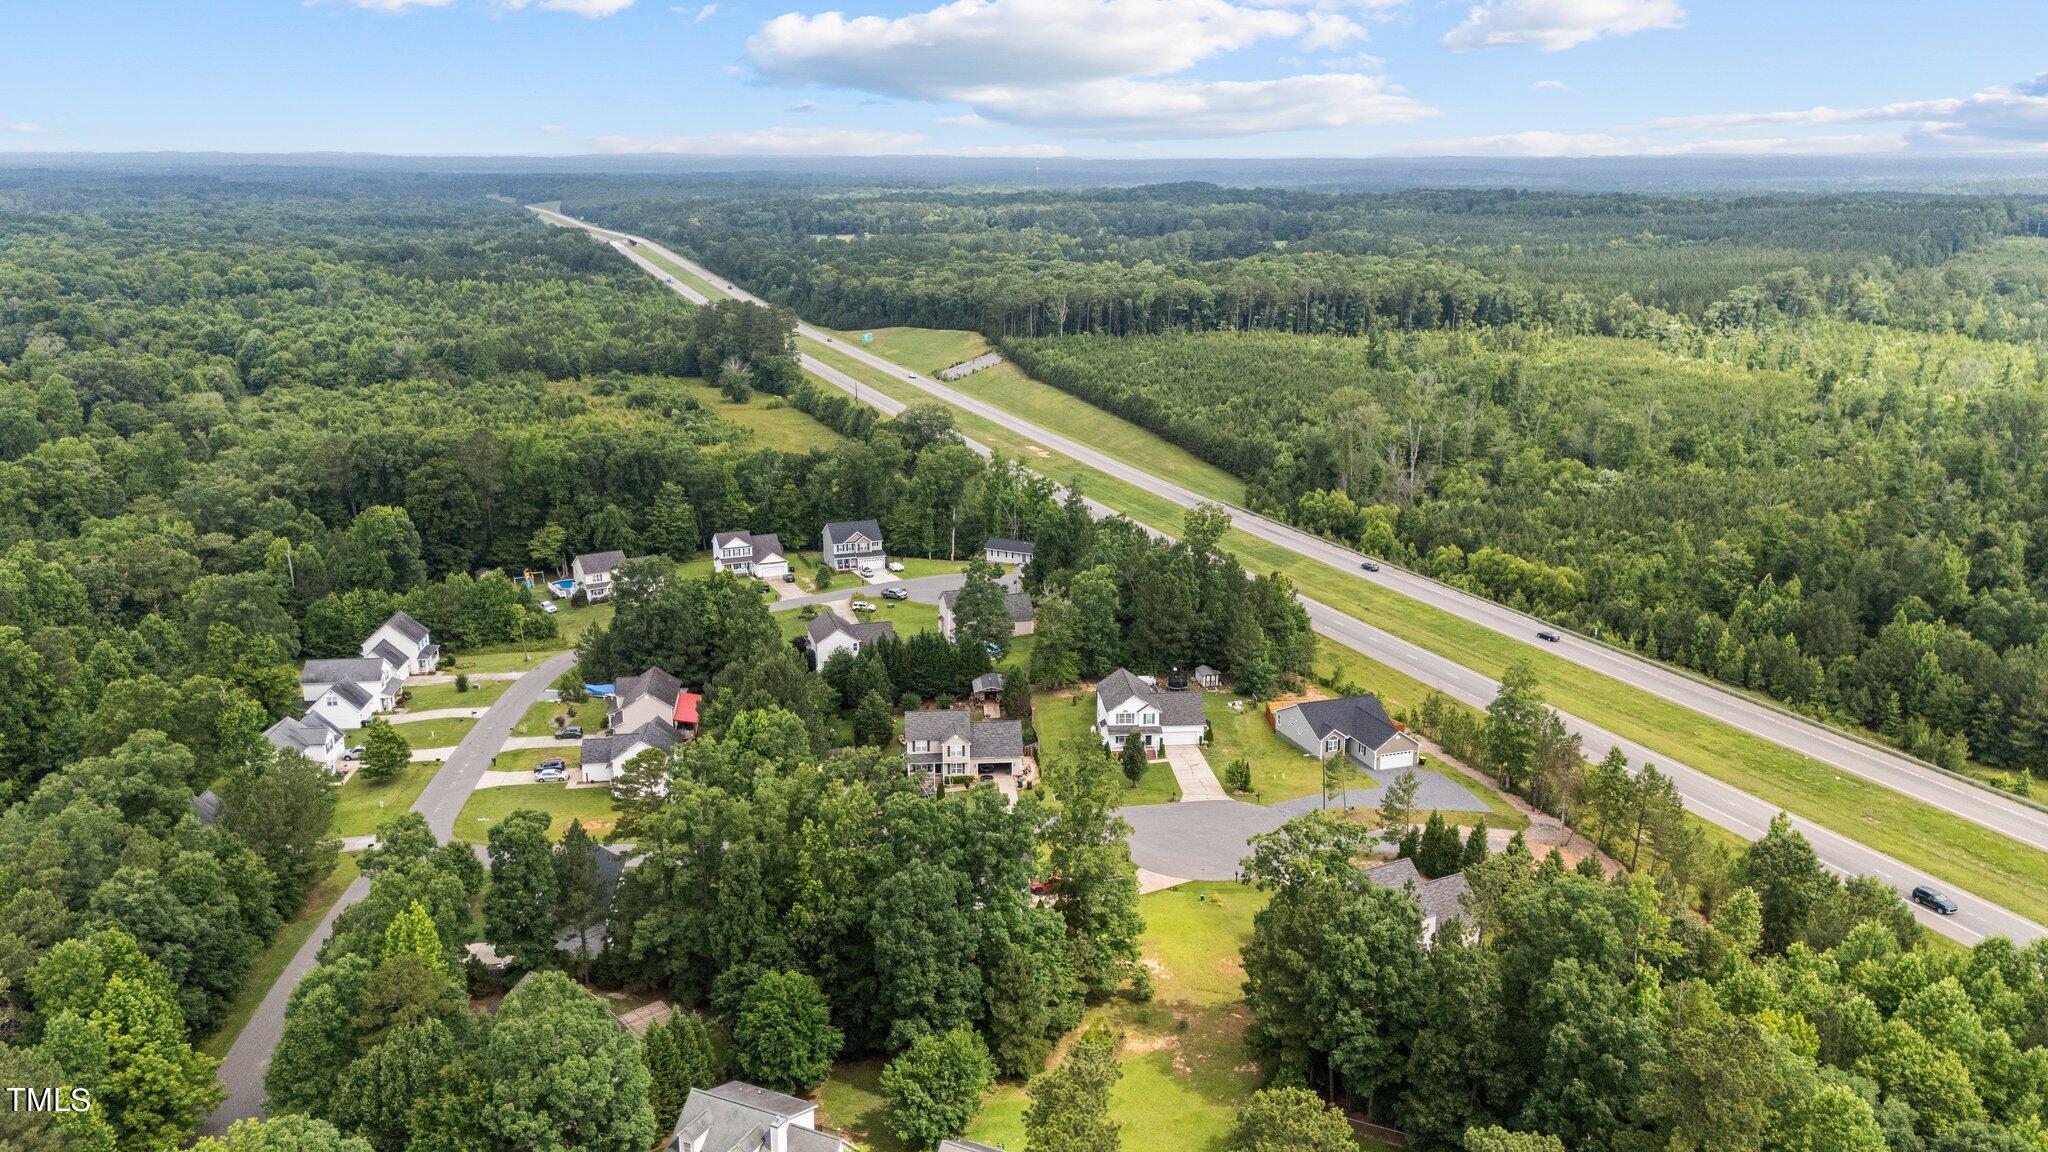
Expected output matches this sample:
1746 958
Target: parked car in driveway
354 753
1547 636
896 592
572 732
1931 899
551 771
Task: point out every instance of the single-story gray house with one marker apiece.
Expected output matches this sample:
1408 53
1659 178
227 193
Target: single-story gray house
1441 899
738 1117
1023 613
1002 550
1356 726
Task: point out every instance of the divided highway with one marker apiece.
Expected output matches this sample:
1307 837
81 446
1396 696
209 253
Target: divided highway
1711 799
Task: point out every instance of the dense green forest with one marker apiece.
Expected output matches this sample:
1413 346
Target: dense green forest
1195 257
1792 442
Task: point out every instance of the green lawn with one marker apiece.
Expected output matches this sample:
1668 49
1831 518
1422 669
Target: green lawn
527 759
1280 771
435 733
914 566
771 422
1186 1067
487 806
363 806
681 273
923 350
1986 863
537 721
1063 718
571 620
850 1102
433 697
270 963
908 615
512 661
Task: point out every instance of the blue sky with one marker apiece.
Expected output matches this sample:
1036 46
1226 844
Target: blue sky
1027 77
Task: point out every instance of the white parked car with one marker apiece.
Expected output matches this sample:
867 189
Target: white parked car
895 565
548 606
863 606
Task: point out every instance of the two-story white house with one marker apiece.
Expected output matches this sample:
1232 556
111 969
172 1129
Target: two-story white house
951 742
593 573
748 554
312 737
852 544
405 644
1129 705
348 692
831 632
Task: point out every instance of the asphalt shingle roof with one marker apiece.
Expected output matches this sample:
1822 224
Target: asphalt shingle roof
986 739
599 563
1176 709
736 1117
825 624
841 529
407 627
389 654
1362 718
355 670
1004 544
653 682
1440 899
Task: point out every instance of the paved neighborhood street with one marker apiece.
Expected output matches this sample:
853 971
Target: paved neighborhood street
241 1071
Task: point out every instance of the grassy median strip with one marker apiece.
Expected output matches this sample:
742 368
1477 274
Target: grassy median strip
688 278
1987 863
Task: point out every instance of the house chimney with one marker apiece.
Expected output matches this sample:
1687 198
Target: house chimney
778 1135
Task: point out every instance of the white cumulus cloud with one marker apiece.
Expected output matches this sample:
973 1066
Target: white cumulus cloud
2000 118
1552 86
788 140
1555 25
1101 68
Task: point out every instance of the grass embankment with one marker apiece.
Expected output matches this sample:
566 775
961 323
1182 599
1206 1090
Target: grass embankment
687 277
434 697
270 963
540 719
1988 864
487 806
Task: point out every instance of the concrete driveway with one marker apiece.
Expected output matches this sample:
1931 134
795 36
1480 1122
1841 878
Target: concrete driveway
1191 771
922 589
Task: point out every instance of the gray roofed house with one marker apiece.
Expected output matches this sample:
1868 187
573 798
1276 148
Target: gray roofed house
353 670
852 543
207 807
593 572
392 656
952 742
1023 613
1161 718
601 757
312 736
1357 726
405 625
1002 550
651 695
829 632
738 1117
1441 899
352 692
748 553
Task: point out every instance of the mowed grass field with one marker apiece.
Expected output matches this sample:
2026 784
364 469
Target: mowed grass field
443 733
1985 863
771 422
363 806
487 806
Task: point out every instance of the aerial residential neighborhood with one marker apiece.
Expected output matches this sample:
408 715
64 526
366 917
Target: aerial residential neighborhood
1024 576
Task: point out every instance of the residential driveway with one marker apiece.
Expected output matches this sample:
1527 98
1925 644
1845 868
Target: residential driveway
241 1073
1199 840
1432 790
1191 771
922 589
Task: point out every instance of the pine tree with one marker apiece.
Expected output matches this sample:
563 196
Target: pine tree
1475 843
1132 758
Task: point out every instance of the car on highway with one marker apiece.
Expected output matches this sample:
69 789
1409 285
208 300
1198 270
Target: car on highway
910 375
572 732
896 592
1369 566
1934 900
551 771
1547 636
548 606
862 606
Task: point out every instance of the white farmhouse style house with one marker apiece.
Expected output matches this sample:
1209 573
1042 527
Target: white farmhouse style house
405 644
1128 705
749 555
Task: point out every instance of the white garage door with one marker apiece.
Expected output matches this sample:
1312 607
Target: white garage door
1398 760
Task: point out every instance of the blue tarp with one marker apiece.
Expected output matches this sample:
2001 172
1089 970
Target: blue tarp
598 689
